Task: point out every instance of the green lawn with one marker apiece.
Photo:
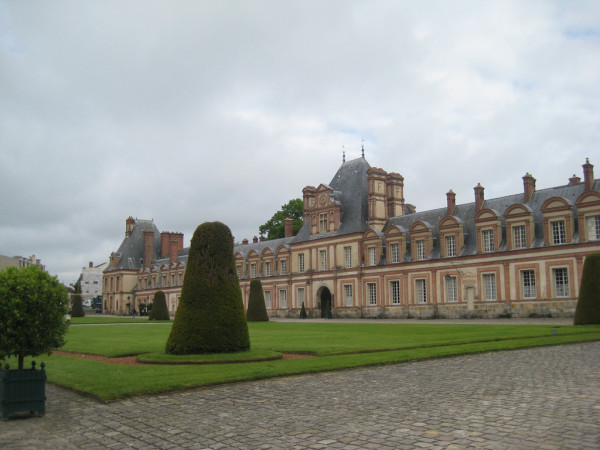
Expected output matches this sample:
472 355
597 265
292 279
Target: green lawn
336 346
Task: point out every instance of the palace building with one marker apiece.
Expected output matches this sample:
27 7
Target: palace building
364 252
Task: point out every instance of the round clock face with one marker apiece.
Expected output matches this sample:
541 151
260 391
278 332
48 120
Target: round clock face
322 200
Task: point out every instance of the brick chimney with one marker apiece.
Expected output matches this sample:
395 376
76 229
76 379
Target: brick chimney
528 186
574 179
173 248
91 265
254 240
588 175
479 198
148 247
450 202
165 238
289 227
262 238
129 226
245 242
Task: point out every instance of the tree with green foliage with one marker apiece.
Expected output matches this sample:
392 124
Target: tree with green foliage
587 311
257 311
77 306
303 314
274 228
210 317
33 306
77 285
159 307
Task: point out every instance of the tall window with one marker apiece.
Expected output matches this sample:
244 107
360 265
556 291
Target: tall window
372 253
489 286
592 226
372 293
395 292
348 257
238 269
395 253
519 238
323 259
301 297
323 223
267 299
450 246
267 268
180 277
421 291
348 295
253 270
558 232
283 266
173 279
451 289
528 283
301 262
561 282
283 298
420 249
488 240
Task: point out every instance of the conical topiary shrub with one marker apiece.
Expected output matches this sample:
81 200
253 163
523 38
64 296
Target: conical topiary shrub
77 307
303 312
210 317
588 304
257 311
159 307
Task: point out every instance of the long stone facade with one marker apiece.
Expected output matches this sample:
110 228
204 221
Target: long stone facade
364 252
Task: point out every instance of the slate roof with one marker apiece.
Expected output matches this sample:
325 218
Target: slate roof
131 251
272 244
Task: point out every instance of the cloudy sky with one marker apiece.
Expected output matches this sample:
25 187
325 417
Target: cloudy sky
192 111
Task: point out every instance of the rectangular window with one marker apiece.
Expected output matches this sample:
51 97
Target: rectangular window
561 282
349 301
420 249
372 293
488 240
180 277
489 286
164 280
301 262
267 269
283 266
301 297
395 253
592 226
253 270
323 259
558 232
372 256
421 290
323 223
347 257
519 239
238 268
395 292
528 283
283 298
450 246
172 279
267 299
451 289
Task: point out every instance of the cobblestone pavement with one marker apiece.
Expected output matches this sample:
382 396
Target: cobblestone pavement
545 398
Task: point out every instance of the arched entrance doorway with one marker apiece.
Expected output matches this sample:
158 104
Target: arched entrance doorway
325 300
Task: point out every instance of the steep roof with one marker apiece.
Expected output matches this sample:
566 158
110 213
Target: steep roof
131 251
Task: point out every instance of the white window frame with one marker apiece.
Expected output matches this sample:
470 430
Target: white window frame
267 268
372 256
420 243
560 279
300 297
557 228
450 245
528 284
395 253
282 298
253 270
323 226
421 290
372 293
519 237
592 228
451 288
323 259
489 287
301 263
487 238
348 257
267 295
283 266
395 292
348 296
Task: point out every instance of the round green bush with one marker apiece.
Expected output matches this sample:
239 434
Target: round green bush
210 317
257 311
588 303
77 306
159 309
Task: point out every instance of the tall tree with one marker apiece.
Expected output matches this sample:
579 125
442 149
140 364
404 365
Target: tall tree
274 228
587 311
210 317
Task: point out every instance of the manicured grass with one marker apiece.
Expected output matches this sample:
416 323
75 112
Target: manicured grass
335 344
99 319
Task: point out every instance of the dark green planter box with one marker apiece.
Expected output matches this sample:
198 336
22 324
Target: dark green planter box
23 391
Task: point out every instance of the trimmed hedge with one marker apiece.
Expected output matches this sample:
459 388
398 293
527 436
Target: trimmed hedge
210 317
588 304
257 311
159 307
77 307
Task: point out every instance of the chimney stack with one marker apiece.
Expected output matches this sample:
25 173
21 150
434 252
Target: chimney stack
91 265
129 226
450 202
148 247
479 198
254 240
574 179
262 238
245 242
528 186
588 175
289 227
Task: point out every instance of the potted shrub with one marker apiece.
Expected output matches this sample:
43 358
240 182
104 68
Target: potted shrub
33 306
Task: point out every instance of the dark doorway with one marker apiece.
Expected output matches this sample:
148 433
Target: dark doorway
326 305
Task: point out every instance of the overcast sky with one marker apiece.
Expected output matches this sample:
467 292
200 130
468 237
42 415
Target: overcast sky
193 111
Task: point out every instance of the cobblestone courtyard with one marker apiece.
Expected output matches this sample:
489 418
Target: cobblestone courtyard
545 398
